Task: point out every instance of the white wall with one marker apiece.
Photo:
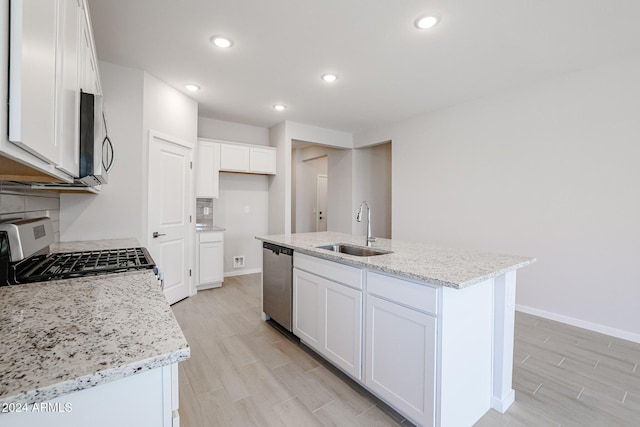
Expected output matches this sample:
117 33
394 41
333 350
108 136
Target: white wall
337 165
134 102
238 191
235 132
280 190
169 112
280 186
305 192
320 135
372 170
550 171
339 191
117 211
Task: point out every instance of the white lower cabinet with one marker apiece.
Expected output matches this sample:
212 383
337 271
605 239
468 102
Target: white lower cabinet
210 259
327 316
400 358
429 351
146 399
342 342
307 308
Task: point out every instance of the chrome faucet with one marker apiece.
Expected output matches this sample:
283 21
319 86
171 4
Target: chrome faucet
370 238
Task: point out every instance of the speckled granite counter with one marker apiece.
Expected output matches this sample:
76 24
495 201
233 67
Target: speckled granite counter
454 268
208 228
67 335
91 245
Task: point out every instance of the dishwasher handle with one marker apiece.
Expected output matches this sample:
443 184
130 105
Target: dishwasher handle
277 250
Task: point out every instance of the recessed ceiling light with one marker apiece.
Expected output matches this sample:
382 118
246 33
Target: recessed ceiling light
192 88
279 107
329 78
428 21
222 42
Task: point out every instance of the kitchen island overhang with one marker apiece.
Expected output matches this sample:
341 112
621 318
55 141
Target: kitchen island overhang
474 321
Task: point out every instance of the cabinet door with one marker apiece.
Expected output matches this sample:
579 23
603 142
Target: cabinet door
68 100
210 262
343 327
234 158
400 358
262 160
89 68
208 170
32 76
307 308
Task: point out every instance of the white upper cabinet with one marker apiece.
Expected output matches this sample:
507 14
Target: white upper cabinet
207 169
89 77
234 158
262 160
32 69
68 99
246 158
51 58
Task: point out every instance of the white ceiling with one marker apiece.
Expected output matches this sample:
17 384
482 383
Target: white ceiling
388 69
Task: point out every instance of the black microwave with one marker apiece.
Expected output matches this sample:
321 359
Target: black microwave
96 150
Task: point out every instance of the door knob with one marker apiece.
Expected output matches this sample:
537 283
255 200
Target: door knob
156 234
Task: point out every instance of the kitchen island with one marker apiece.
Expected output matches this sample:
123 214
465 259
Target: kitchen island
99 350
429 330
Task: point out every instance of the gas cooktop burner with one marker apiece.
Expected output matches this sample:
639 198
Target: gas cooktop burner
68 265
24 258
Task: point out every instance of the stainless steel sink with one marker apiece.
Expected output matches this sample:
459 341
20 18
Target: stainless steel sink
353 250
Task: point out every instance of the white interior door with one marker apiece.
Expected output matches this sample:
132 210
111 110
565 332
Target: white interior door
170 178
321 203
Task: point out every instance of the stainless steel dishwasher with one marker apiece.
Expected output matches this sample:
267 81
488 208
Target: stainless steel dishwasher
277 288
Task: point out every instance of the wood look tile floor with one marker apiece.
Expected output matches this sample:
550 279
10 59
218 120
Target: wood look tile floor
244 372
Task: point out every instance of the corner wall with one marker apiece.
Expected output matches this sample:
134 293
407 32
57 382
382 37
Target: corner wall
238 191
117 211
372 173
135 102
549 170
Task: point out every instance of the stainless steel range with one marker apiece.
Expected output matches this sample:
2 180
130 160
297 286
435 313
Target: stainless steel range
25 257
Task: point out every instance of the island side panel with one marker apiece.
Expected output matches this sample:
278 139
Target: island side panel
504 319
466 354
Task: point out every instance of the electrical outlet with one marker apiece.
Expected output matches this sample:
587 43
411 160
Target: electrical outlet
246 209
238 261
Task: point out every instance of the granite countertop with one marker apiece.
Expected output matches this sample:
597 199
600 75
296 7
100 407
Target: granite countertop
93 245
455 268
62 336
203 228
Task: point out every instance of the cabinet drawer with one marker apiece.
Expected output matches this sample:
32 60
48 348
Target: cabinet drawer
210 236
350 276
411 294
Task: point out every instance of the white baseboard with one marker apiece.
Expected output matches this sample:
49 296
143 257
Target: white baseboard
501 405
596 327
242 272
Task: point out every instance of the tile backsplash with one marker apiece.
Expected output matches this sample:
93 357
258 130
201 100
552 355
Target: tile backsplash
19 201
204 211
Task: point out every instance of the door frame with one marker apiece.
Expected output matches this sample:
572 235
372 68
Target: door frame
191 208
318 176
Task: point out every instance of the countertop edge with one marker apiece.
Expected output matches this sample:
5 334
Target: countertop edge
210 229
101 377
